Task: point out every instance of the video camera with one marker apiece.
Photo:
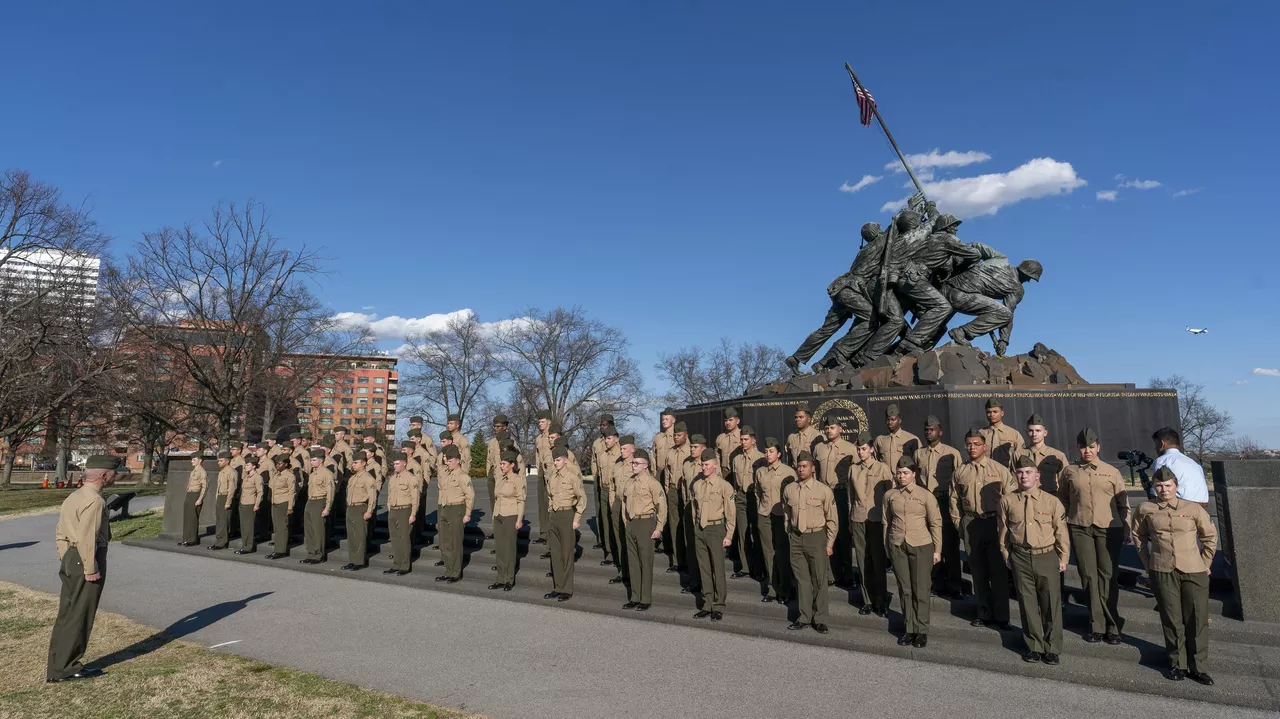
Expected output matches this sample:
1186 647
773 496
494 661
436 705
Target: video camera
1138 460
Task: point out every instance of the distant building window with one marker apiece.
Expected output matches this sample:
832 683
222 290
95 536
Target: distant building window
346 411
326 410
304 420
363 380
327 390
329 380
326 400
346 390
362 390
348 380
362 400
377 400
360 410
379 380
377 410
346 400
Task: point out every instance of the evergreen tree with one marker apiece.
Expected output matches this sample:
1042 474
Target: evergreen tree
479 453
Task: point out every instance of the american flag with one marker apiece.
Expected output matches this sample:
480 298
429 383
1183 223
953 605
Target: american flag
866 105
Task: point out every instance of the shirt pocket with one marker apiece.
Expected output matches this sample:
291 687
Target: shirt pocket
813 502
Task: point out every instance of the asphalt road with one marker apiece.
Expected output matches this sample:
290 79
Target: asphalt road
507 659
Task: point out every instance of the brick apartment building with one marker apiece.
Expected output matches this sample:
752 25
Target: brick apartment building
361 392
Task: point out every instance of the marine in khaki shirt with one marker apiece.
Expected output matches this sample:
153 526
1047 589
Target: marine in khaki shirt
913 537
712 499
834 457
805 436
714 518
320 481
644 497
937 462
1034 520
1176 535
283 483
197 485
454 488
1048 460
362 489
978 488
1097 514
1002 440
810 512
83 524
770 479
898 442
869 479
662 443
1032 526
404 491
809 506
1094 494
729 442
911 515
250 497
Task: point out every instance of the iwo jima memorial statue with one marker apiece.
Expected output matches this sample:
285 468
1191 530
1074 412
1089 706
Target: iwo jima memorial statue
919 266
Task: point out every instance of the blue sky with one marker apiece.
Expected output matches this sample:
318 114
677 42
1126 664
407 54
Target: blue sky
676 167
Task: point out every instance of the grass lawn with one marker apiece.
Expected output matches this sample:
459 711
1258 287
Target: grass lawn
26 498
155 677
139 526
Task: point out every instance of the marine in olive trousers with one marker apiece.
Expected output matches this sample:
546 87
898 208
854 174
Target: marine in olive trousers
221 523
400 525
640 557
1183 601
280 527
869 553
1097 550
1038 583
504 541
990 576
191 518
775 551
315 529
449 533
77 607
710 546
248 538
810 565
621 544
357 534
563 542
913 567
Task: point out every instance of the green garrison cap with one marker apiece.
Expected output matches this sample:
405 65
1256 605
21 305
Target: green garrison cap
606 418
358 431
1024 461
455 417
237 445
306 434
501 435
511 457
679 427
772 442
892 411
542 414
342 428
708 455
641 454
251 459
295 435
415 419
446 434
500 419
1164 474
609 432
864 437
905 461
317 454
730 412
804 456
1035 419
1086 437
399 457
224 455
627 439
747 430
101 461
555 428
359 457
803 408
993 403
415 433
931 421
561 442
327 441
669 411
452 452
282 458
409 444
698 439
559 451
830 421
973 432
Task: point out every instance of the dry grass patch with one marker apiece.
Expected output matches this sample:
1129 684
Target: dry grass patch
157 677
27 500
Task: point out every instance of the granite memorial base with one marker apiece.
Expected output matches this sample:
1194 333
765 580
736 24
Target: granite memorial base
1248 497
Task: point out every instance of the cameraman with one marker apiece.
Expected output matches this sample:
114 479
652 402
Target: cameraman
1191 482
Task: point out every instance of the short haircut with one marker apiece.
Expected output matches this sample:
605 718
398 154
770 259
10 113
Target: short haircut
1168 435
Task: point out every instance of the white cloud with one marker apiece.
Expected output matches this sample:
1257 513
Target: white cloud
217 164
396 326
986 194
866 180
937 158
1184 193
1242 381
368 308
1107 195
1138 184
1265 372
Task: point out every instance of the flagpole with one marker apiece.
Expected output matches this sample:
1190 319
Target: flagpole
885 128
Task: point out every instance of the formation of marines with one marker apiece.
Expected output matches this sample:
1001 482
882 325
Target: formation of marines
917 265
798 515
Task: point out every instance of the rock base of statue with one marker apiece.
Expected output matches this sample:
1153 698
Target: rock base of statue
953 383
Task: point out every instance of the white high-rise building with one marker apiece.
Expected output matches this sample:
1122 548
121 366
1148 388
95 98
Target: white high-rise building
58 273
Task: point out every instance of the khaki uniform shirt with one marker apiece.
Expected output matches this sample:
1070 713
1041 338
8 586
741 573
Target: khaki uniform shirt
442 465
728 444
810 507
674 472
937 466
1033 519
1003 442
1094 495
564 491
979 487
890 447
662 444
83 524
1166 535
198 482
1050 461
689 471
713 501
299 457
454 487
745 465
464 446
342 452
801 440
834 460
282 486
868 482
619 477
226 481
542 454
509 490
911 515
642 497
250 488
237 463
361 490
770 481
404 489
597 451
421 462
604 465
320 486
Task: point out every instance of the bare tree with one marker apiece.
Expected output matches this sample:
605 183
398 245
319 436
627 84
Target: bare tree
722 372
448 371
1203 425
207 297
56 335
1242 447
575 367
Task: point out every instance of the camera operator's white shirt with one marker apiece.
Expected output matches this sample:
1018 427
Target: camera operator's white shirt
1191 483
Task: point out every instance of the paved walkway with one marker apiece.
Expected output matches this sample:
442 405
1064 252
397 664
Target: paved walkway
508 659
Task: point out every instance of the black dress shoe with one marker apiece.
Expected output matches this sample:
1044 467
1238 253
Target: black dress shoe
507 587
820 628
768 599
1113 639
493 551
617 580
922 641
402 572
864 610
717 616
979 622
702 614
358 567
564 597
597 545
782 600
214 547
1031 657
606 562
674 570
539 540
906 639
1093 637
881 611
276 555
796 626
489 535
438 579
1004 627
551 595
1201 677
439 563
545 555
390 571
642 607
1051 659
1177 675
452 580
348 567
85 673
497 585
739 575
246 551
831 582
630 605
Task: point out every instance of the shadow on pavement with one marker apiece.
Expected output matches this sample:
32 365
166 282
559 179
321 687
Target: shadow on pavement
179 629
18 545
